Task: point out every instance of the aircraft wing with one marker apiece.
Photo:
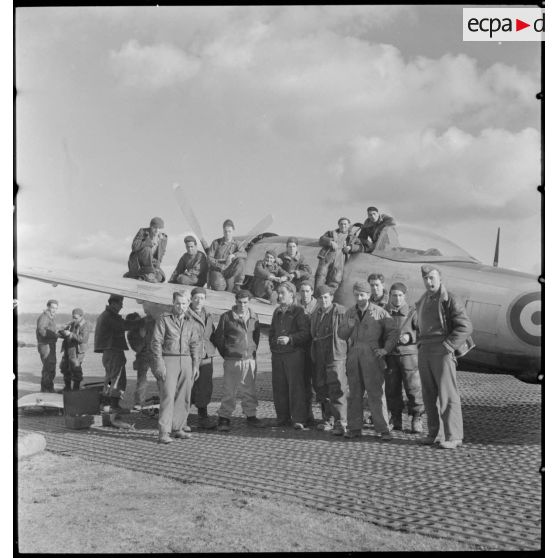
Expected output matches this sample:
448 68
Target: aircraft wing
142 291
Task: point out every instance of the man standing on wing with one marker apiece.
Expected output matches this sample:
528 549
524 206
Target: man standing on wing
47 336
444 329
237 338
176 349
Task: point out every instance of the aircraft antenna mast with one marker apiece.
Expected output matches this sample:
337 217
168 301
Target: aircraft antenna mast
497 249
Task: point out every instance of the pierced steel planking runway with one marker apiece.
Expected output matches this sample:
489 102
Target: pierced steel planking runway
486 493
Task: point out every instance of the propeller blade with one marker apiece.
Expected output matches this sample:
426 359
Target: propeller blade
188 213
257 229
497 249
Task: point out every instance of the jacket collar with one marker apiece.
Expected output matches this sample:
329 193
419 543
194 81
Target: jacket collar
403 309
199 317
285 256
444 296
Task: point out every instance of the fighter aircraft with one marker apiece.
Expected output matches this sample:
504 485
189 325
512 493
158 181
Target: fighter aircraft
504 305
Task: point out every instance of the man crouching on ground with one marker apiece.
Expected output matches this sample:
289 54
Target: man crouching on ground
176 350
237 338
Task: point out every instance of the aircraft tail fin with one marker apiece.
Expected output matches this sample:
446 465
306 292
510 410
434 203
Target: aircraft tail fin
497 249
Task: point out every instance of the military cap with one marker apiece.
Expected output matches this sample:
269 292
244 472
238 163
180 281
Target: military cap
157 222
427 268
398 287
78 311
271 252
52 301
228 223
243 293
189 238
372 208
362 287
198 290
323 289
306 283
343 219
292 239
115 298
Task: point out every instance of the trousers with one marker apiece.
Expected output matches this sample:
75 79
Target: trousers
70 365
331 387
402 372
239 377
225 280
309 382
174 393
47 352
365 372
142 364
438 375
330 270
287 382
203 386
114 362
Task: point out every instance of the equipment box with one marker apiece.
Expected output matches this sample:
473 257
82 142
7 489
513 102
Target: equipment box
82 402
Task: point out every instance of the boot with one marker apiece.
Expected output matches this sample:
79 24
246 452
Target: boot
396 422
76 385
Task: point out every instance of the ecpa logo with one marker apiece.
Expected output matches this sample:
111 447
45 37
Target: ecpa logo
503 24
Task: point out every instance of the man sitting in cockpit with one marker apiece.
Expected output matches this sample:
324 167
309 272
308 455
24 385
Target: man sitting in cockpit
372 227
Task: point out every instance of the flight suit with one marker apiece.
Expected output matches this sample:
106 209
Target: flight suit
365 371
331 261
190 270
329 352
262 285
146 256
296 265
287 363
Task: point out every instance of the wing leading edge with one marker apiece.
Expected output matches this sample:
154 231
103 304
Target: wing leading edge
156 293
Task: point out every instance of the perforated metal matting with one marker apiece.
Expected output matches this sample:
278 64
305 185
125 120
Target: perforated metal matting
486 493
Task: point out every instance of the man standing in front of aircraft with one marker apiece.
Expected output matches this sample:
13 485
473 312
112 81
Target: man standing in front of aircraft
192 266
402 363
366 328
47 335
176 349
329 352
76 337
148 248
444 329
227 261
372 227
379 296
204 323
309 304
336 245
111 341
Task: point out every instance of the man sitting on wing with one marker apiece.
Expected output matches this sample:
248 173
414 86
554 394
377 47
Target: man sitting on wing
192 266
148 248
227 261
268 275
293 262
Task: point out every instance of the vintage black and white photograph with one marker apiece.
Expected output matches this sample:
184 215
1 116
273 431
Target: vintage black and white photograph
277 278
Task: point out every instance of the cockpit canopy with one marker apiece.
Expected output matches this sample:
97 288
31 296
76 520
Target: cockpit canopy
412 244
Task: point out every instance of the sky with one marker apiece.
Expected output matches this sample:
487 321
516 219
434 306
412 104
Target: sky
307 113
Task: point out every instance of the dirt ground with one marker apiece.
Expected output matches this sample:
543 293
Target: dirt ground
66 504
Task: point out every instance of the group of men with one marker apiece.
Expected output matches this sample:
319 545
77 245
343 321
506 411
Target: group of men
351 358
224 266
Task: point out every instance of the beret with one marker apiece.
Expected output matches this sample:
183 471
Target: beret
77 311
189 238
362 287
228 223
157 222
198 290
398 287
427 268
243 293
52 301
115 298
323 289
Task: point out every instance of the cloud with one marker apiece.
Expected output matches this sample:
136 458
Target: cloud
152 66
492 174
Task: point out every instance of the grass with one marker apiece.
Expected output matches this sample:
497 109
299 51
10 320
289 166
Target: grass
69 505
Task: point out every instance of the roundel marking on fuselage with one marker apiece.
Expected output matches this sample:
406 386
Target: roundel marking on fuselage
524 317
